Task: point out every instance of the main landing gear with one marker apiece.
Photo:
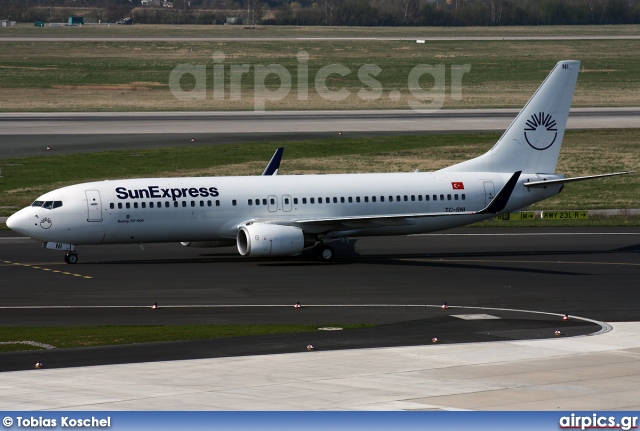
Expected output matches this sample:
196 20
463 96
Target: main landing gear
323 253
71 258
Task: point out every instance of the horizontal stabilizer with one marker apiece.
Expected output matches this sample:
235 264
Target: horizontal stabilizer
570 180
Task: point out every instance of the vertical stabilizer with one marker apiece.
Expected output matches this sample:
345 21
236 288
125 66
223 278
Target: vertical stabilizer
532 142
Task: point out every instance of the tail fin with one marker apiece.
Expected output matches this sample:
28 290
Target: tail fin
531 143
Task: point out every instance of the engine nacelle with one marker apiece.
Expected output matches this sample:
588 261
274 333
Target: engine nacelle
206 244
260 239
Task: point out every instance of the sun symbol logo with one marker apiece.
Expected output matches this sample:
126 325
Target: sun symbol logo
45 223
537 133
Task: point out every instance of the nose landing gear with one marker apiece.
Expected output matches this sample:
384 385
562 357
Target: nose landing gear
71 258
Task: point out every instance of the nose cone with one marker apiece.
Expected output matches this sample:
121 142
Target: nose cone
19 222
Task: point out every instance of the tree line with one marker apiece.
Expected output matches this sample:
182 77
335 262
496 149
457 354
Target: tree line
334 12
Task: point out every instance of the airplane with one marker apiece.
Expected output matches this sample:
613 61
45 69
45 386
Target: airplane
282 215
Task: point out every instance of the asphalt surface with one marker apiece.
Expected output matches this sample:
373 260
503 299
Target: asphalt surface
29 134
396 283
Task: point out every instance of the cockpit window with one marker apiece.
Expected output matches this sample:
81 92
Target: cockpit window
48 204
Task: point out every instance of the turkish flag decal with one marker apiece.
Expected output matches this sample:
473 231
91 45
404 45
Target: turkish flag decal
457 185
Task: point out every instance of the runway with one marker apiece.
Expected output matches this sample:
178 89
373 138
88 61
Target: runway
28 134
397 283
521 281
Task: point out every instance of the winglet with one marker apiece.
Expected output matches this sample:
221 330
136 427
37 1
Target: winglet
274 163
498 203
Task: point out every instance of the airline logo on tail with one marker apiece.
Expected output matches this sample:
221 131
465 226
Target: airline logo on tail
542 132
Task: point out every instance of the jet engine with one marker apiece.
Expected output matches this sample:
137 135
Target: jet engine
260 239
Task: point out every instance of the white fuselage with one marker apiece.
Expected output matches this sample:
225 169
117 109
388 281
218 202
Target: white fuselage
213 208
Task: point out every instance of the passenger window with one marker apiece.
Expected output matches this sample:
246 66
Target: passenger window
184 204
413 198
455 196
390 198
264 201
135 204
448 197
441 197
406 198
426 197
304 200
233 202
250 201
209 203
358 199
286 201
175 204
381 198
350 199
335 200
366 198
342 200
311 200
398 198
167 204
144 204
119 205
319 200
159 204
295 201
420 198
373 198
193 203
218 203
463 197
127 205
272 201
257 201
201 203
111 205
435 197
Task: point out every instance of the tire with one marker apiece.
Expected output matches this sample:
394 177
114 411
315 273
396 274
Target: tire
71 258
326 253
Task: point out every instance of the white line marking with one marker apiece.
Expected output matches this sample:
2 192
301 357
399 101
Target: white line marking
527 234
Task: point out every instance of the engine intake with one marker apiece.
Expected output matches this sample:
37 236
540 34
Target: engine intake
260 239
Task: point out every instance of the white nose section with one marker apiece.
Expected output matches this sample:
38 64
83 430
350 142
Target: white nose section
19 222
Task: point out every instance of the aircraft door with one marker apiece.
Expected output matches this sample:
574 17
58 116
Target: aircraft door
94 205
489 192
286 203
273 203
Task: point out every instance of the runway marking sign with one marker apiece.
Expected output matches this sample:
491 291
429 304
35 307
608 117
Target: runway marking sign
523 215
564 215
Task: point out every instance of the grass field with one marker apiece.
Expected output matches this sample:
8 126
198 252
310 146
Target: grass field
583 153
90 336
160 30
134 76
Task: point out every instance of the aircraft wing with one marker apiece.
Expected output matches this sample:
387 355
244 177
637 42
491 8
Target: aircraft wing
274 164
497 204
570 180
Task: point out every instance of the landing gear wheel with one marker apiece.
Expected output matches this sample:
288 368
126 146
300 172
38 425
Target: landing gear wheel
71 258
325 253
